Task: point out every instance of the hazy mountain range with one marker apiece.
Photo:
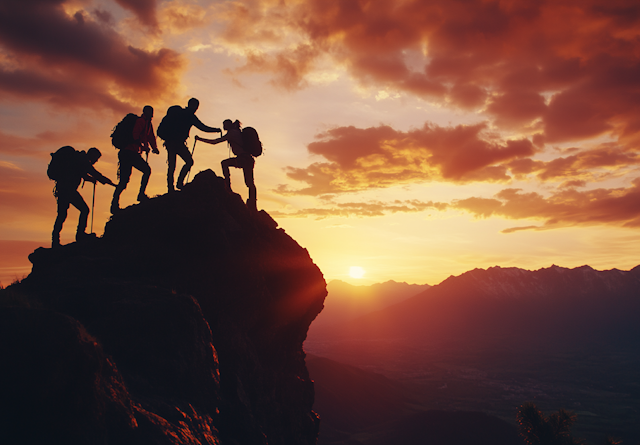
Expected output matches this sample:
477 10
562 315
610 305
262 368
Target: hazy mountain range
345 301
489 340
504 307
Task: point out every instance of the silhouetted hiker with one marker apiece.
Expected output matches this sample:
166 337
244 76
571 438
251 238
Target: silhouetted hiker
68 168
243 159
142 138
174 129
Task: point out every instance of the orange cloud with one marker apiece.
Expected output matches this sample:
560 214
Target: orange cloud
289 69
145 11
379 157
29 192
620 206
582 164
81 135
570 70
78 61
362 209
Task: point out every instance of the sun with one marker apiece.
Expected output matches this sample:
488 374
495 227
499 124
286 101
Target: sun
356 272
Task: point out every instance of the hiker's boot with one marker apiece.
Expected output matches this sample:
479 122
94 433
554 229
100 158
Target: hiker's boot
252 205
227 184
142 196
179 185
55 241
83 237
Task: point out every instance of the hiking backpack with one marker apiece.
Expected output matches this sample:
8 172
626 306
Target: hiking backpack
251 142
172 126
122 134
62 163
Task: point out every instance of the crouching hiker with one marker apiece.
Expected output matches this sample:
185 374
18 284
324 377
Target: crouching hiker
132 136
68 168
243 159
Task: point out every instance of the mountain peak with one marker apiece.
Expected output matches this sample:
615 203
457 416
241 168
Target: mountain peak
197 309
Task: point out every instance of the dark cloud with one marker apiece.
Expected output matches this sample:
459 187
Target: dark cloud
379 157
76 61
145 11
567 70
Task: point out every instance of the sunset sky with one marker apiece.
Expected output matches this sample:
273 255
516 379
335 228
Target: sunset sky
414 139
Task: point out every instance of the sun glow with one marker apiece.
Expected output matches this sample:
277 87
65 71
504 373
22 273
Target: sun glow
356 272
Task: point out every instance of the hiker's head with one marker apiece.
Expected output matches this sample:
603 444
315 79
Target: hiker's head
228 124
147 112
93 154
193 104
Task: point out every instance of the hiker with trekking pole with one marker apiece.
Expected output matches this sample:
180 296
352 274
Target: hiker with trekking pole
245 145
174 130
68 167
193 150
133 135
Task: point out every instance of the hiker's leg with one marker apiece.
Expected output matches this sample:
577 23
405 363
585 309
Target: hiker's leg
78 202
63 207
143 166
225 168
184 153
247 169
231 162
124 174
171 161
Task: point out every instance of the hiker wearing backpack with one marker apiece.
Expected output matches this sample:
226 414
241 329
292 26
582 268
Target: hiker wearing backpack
174 129
243 158
68 167
132 142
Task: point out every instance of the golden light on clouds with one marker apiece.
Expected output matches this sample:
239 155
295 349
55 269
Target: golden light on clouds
479 130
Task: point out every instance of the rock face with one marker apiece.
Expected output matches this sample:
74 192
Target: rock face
183 324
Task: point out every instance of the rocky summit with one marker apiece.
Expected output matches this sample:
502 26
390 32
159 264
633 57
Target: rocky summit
182 324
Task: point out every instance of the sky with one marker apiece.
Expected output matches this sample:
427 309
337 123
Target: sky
413 139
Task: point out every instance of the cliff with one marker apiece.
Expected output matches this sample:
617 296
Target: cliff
183 324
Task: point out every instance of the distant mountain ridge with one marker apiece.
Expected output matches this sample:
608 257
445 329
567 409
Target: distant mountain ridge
512 282
508 306
490 339
347 301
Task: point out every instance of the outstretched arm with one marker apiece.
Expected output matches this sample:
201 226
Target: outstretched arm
94 175
202 127
212 141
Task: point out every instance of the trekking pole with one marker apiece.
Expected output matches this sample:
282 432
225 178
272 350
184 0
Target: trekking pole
93 204
192 152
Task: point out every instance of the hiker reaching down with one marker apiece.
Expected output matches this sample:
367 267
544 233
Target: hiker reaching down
68 168
243 159
174 129
143 139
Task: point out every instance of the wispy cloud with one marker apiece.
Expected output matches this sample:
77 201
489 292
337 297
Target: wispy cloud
380 157
364 209
619 206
